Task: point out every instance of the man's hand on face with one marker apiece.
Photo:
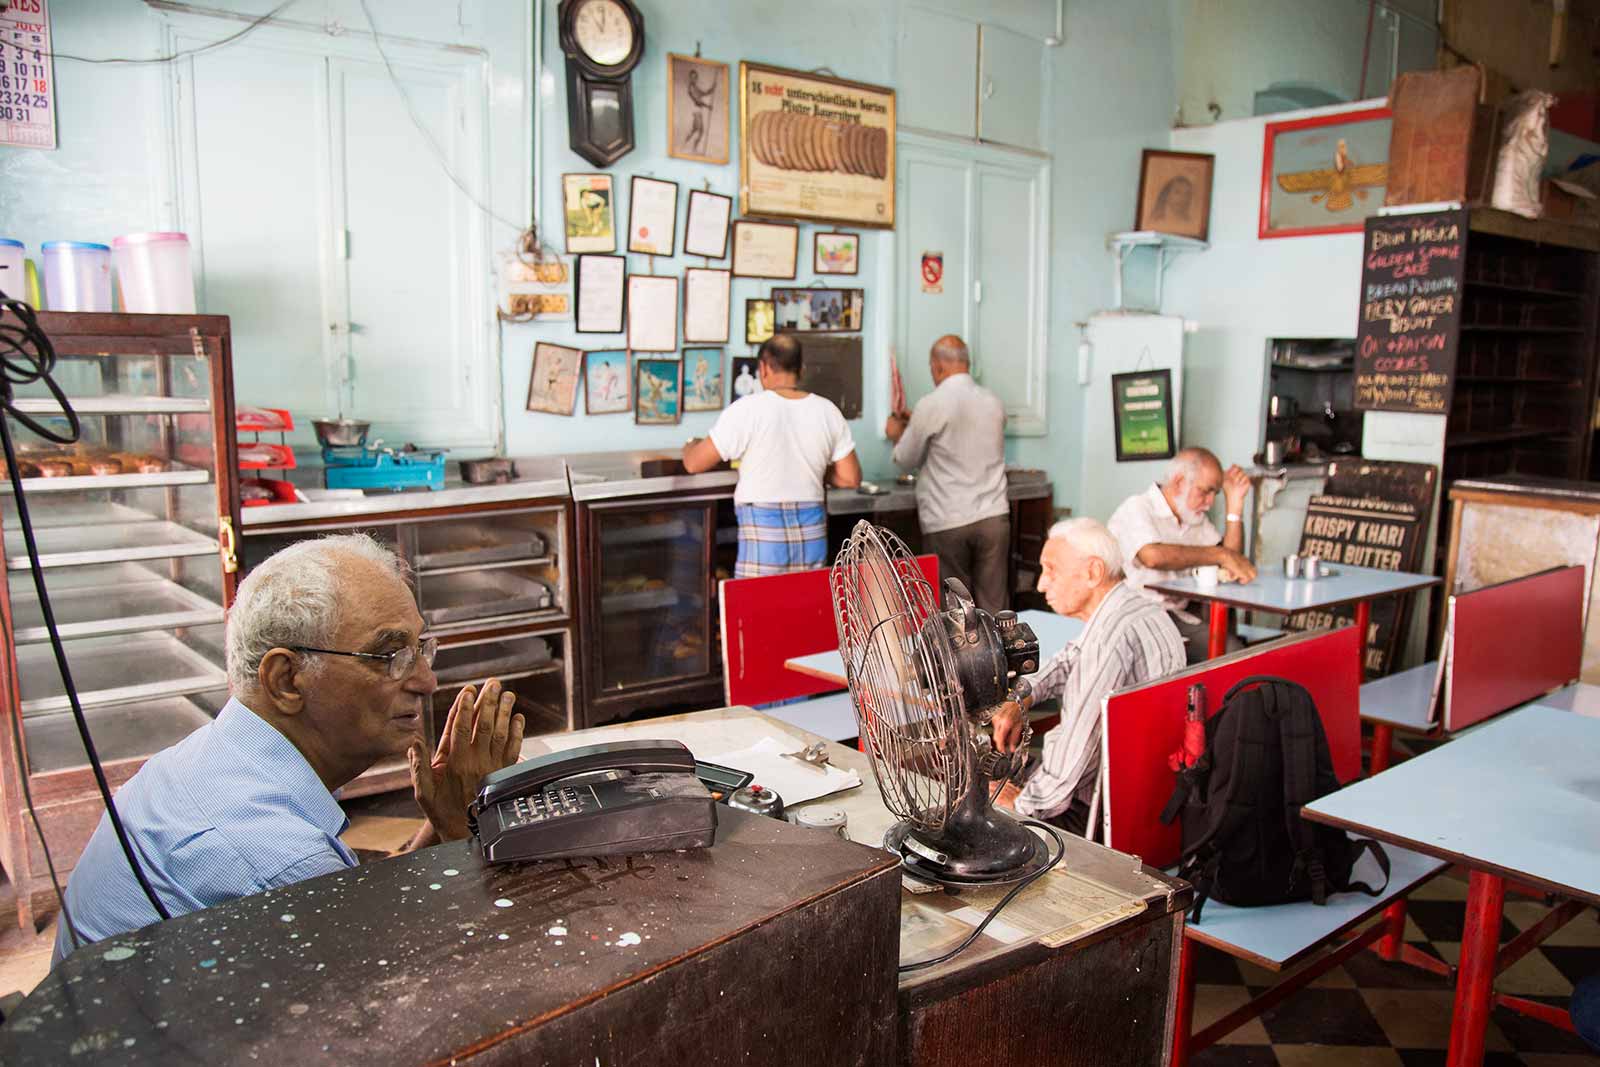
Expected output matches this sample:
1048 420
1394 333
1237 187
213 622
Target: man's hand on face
1007 726
480 736
1235 487
1235 566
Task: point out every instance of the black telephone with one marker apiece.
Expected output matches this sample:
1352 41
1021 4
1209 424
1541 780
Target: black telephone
610 799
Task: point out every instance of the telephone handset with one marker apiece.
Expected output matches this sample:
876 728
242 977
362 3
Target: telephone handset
611 799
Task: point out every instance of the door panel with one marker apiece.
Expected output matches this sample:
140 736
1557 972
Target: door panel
1007 355
1010 88
938 73
934 208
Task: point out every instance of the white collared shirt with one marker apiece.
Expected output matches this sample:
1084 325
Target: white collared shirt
1147 519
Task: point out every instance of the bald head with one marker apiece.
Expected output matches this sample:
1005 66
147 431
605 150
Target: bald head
1192 464
950 351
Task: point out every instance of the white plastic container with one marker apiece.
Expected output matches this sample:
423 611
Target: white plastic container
13 269
154 273
77 276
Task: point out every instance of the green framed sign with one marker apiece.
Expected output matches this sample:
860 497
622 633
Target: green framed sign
1141 415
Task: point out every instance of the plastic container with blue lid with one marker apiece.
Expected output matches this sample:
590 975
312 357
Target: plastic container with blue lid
77 275
13 269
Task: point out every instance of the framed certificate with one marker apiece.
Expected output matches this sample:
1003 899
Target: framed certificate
1141 414
652 216
765 249
706 232
705 304
600 293
652 313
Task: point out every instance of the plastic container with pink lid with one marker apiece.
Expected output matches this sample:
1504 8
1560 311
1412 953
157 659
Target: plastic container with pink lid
154 274
77 276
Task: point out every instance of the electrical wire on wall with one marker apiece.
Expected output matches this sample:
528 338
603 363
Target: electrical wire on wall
27 357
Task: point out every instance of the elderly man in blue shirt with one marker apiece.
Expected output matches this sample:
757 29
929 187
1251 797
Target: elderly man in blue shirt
329 674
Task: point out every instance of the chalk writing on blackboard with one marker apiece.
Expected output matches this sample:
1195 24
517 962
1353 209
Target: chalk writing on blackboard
1411 276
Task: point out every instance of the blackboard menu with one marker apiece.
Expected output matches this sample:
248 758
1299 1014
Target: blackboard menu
1411 271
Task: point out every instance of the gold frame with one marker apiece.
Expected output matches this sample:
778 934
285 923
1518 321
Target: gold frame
727 107
823 155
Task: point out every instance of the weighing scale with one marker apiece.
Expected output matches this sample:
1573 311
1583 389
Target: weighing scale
360 467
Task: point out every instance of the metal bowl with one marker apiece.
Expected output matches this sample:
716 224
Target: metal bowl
341 433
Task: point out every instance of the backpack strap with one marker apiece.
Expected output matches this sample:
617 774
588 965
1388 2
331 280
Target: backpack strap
1366 844
1291 705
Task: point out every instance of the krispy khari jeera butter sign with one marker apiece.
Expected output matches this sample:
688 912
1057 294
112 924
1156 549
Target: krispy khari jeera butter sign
816 148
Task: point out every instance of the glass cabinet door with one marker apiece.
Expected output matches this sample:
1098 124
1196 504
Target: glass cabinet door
653 568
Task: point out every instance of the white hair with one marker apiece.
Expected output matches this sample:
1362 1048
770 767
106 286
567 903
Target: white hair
951 349
1187 464
1091 538
293 599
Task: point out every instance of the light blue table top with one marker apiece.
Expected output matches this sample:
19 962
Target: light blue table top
1579 697
1271 591
1404 699
1519 797
1277 935
1052 630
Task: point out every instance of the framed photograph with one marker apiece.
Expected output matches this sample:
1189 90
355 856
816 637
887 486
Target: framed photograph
836 253
746 375
814 147
652 216
607 386
817 310
590 210
706 303
1141 415
1325 174
706 232
1175 193
652 313
657 388
702 379
697 109
765 249
553 384
600 293
758 321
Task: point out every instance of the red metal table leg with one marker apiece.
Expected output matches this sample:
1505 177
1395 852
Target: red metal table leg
1394 927
1183 1010
1480 946
1363 621
1217 639
1382 747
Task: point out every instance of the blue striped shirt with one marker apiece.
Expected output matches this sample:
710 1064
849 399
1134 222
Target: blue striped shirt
232 809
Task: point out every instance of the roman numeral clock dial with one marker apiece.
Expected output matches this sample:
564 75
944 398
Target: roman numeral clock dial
603 41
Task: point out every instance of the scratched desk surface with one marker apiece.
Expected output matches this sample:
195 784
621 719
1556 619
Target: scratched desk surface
419 958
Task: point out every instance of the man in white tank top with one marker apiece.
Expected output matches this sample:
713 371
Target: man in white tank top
789 444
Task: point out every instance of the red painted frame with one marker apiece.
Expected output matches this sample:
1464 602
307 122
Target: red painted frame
1269 133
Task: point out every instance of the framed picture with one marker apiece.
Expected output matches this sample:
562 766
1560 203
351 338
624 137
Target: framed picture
706 232
652 313
746 374
652 216
1141 415
697 109
758 321
814 147
765 249
553 384
1175 193
607 386
600 293
706 303
702 379
657 387
836 253
1324 174
590 211
817 310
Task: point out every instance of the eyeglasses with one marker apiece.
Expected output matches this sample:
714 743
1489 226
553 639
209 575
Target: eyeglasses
400 661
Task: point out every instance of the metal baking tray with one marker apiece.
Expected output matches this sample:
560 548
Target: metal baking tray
643 600
91 611
478 594
110 670
492 659
120 731
68 546
118 404
459 545
175 474
643 533
70 511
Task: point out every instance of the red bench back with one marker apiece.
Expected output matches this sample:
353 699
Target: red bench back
1512 642
1142 726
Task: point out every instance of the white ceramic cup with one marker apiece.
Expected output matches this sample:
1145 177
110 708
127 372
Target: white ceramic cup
1206 577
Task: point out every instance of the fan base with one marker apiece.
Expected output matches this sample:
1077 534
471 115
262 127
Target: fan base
959 872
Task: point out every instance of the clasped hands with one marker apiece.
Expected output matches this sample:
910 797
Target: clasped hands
480 736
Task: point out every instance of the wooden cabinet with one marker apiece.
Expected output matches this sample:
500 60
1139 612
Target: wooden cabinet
135 530
973 80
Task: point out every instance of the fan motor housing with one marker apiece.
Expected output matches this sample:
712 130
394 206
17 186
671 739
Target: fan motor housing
989 652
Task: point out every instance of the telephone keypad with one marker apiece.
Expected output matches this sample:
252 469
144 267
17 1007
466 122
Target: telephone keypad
550 804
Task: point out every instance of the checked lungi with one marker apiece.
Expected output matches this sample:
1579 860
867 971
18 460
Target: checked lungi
781 538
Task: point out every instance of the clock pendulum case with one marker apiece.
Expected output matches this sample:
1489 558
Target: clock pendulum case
603 41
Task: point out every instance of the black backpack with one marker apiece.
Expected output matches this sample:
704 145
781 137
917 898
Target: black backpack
1244 841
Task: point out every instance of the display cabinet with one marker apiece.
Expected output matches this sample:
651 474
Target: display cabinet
135 526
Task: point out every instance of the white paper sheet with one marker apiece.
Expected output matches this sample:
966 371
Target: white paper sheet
794 781
707 230
705 304
652 216
652 313
600 293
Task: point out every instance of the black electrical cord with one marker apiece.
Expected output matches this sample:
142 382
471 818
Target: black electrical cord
1061 850
27 356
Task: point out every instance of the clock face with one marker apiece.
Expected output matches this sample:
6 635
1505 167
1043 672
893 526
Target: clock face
604 31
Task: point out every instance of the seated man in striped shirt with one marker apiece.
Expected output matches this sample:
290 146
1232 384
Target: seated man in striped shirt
1129 639
328 674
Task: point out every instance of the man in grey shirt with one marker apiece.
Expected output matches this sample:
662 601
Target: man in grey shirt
957 437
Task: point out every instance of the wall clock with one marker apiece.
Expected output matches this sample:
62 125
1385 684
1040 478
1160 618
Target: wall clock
603 41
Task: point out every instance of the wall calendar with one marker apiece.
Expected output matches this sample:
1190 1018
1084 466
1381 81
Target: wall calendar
27 79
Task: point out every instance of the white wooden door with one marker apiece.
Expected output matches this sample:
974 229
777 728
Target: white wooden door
1010 279
934 205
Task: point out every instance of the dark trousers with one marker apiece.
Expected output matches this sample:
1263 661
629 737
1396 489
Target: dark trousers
977 554
1197 635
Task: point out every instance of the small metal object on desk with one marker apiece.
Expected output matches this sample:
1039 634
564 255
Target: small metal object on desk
871 489
825 817
1291 566
1313 568
814 755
